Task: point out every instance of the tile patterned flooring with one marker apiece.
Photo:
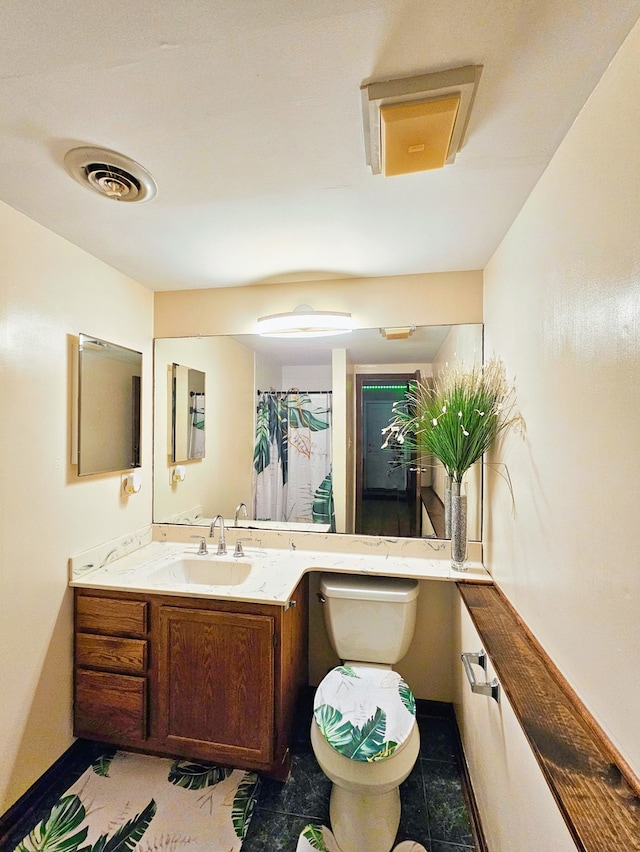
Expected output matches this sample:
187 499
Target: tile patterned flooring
433 805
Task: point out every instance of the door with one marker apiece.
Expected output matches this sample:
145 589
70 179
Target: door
382 466
379 471
216 683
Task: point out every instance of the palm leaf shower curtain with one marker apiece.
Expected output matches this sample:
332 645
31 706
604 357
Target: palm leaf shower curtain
292 458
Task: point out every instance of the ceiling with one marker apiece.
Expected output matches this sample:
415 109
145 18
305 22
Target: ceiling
365 346
248 115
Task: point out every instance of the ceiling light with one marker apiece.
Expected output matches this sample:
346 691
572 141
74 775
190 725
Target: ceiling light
413 124
305 322
398 333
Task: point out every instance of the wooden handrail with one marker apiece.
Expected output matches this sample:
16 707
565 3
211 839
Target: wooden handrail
595 790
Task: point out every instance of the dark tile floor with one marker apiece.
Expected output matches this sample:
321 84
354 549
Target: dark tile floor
390 515
385 516
433 805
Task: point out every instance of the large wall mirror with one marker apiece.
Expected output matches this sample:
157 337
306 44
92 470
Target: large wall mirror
108 414
339 391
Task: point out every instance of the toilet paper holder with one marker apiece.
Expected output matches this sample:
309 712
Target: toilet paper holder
479 658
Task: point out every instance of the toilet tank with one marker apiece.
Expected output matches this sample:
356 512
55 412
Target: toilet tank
369 619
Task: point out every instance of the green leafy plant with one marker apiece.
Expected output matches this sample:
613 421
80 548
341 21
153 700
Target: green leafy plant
458 418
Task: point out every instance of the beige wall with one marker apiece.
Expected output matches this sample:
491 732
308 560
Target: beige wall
517 809
562 307
222 479
50 291
429 299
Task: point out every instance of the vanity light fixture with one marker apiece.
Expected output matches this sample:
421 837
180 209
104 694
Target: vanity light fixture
305 322
413 124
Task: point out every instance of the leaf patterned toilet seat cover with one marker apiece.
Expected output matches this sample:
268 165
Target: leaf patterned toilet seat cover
364 712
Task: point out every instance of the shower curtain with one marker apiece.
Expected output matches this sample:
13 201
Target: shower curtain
292 458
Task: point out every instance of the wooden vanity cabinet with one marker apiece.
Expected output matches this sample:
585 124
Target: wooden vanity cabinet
210 680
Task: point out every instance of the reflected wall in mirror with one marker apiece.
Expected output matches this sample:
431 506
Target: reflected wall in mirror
241 366
109 397
188 413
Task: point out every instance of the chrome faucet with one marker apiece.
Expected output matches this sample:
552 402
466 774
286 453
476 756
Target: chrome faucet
222 545
244 513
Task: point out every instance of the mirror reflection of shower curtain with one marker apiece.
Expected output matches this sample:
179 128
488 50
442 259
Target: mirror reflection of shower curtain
196 429
292 458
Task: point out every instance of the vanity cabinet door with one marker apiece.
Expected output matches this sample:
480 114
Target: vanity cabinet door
216 684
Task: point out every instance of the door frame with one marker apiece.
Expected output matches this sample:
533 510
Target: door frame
361 379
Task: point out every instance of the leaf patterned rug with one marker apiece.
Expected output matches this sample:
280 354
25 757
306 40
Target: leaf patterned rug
131 801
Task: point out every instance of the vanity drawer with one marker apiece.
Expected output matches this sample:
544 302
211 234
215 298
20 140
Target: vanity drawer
111 652
111 706
110 615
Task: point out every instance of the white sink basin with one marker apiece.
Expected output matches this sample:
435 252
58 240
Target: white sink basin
203 571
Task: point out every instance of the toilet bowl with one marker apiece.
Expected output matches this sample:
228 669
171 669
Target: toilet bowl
364 733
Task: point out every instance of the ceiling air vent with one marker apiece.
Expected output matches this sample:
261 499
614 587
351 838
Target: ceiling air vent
110 174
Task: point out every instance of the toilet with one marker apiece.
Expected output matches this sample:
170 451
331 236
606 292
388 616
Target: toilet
363 732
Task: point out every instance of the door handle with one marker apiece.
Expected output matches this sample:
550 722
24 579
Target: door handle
479 658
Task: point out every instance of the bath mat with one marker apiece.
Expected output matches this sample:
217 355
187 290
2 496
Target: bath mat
319 837
131 801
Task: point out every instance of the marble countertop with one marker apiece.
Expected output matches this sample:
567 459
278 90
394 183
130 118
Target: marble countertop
275 571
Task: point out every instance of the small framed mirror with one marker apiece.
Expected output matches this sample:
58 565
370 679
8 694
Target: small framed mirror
187 413
109 400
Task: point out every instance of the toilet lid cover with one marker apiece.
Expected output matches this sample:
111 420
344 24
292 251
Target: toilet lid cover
364 712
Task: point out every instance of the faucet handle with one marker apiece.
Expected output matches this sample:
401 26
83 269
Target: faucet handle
202 549
238 550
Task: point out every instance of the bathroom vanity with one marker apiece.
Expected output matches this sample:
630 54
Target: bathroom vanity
204 657
206 679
